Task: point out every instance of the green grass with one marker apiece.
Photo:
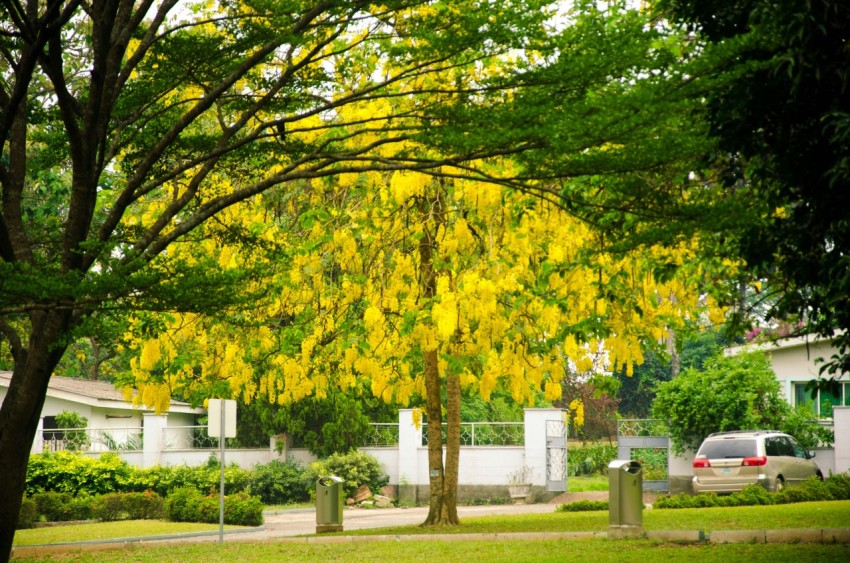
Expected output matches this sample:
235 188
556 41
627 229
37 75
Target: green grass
586 483
802 515
109 530
830 514
464 551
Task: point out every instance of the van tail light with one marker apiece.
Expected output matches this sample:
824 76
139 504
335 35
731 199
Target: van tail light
701 462
757 461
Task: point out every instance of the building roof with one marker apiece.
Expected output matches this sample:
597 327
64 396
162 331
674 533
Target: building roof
99 393
808 340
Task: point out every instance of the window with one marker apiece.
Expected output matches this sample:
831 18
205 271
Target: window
820 401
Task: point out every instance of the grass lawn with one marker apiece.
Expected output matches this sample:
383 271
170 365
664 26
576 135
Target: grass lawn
587 483
803 515
464 551
110 530
832 514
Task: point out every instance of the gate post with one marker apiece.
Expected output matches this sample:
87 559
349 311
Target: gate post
536 442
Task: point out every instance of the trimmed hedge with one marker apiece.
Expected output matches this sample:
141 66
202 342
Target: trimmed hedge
128 506
62 507
67 472
584 506
836 487
188 505
28 514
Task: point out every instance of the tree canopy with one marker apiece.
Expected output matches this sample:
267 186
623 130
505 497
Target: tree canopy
730 393
783 124
133 132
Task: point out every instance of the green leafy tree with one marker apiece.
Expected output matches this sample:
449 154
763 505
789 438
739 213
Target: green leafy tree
132 131
74 424
126 126
731 393
637 392
782 116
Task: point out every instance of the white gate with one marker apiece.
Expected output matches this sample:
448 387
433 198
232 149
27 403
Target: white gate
556 456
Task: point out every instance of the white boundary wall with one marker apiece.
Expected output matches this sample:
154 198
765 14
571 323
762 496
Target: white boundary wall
406 463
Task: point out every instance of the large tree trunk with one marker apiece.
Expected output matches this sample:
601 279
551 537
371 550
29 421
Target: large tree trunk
20 414
443 477
442 505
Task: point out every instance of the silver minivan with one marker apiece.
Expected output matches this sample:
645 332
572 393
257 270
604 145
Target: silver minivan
727 462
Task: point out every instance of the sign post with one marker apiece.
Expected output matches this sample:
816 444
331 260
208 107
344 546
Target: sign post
222 424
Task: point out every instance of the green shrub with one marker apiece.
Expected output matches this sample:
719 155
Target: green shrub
68 472
242 509
836 487
356 468
109 508
28 514
180 505
590 460
62 507
75 439
206 479
188 505
278 483
584 506
52 506
128 506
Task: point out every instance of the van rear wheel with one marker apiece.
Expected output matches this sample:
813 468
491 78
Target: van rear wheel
780 484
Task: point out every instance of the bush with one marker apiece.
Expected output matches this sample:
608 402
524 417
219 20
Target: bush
836 487
188 505
590 460
128 506
356 468
67 472
278 483
206 479
76 438
62 507
584 506
28 514
179 505
729 393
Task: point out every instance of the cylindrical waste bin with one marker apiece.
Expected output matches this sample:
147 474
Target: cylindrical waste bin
625 493
329 504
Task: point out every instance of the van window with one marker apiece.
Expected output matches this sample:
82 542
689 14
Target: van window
728 448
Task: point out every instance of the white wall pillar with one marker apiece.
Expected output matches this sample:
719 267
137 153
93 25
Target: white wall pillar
535 441
154 438
409 442
38 441
841 419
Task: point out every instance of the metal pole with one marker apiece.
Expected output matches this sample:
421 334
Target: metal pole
221 490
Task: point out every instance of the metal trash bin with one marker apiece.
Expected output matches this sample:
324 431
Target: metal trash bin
625 494
329 504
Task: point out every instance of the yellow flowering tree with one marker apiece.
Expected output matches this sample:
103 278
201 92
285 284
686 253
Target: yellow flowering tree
418 288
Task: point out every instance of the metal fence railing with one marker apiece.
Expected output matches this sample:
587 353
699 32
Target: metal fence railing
92 439
381 434
486 434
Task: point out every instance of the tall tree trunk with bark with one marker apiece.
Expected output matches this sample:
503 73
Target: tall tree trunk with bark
20 413
443 476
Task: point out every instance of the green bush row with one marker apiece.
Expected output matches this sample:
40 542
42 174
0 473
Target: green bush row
836 487
183 505
63 507
274 483
188 505
583 506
